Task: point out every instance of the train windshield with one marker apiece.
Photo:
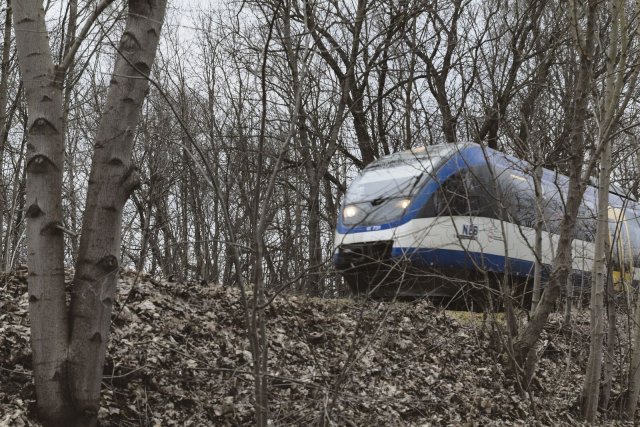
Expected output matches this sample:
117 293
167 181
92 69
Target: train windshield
399 180
384 190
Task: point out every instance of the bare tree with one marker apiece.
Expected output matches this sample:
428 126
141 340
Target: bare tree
6 115
441 62
573 144
616 65
69 344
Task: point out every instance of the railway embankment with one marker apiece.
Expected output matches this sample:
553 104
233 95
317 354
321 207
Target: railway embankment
179 355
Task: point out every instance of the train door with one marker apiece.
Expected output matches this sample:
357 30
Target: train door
633 221
621 249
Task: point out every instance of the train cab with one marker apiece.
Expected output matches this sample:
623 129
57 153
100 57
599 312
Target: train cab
425 221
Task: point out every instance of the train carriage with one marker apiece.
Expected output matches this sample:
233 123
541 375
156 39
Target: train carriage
426 221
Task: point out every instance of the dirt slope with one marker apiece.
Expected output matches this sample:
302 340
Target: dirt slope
178 356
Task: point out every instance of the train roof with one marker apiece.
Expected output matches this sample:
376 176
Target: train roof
472 150
440 151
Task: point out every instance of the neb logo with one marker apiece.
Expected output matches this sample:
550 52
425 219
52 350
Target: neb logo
469 230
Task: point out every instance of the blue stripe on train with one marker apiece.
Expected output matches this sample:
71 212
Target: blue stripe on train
448 259
454 259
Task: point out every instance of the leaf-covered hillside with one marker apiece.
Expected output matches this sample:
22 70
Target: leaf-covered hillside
179 356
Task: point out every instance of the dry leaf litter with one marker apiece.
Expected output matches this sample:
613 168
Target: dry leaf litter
178 355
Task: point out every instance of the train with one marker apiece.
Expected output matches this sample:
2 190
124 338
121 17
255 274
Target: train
434 220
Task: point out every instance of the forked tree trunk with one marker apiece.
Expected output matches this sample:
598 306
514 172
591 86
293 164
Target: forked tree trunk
69 349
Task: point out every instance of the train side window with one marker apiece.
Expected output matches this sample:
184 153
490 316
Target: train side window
524 204
505 195
586 223
459 196
484 187
452 199
553 208
469 192
518 198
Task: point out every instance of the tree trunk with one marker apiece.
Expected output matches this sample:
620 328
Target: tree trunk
591 388
66 103
610 107
608 373
315 248
45 162
4 100
537 275
69 347
634 368
111 181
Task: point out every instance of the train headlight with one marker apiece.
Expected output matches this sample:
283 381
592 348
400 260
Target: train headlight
404 203
350 212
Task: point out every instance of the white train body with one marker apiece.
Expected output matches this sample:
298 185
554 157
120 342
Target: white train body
423 221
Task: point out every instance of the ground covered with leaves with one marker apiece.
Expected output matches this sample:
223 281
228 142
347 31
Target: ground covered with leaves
179 355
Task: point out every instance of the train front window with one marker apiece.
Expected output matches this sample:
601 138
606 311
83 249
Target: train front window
382 183
383 192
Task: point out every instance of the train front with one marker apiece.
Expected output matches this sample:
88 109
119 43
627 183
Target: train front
377 226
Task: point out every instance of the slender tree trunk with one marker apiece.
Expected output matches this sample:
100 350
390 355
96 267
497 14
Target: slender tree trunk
591 387
537 274
168 259
72 196
144 218
4 100
634 368
367 149
17 206
381 115
66 102
315 249
569 301
214 259
18 176
4 69
610 107
408 100
607 380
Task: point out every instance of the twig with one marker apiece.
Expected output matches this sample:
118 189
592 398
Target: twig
125 374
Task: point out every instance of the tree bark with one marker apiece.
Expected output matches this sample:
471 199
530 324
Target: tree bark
537 275
609 369
610 105
634 368
4 100
591 388
45 162
112 179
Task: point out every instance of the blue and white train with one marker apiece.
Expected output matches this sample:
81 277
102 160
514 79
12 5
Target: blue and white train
429 220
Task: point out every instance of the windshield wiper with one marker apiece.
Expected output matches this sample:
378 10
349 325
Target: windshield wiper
415 183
